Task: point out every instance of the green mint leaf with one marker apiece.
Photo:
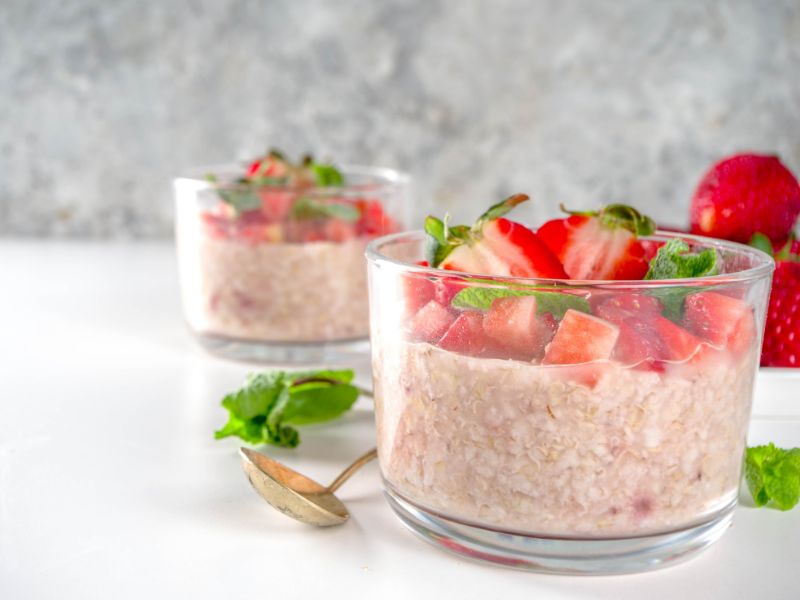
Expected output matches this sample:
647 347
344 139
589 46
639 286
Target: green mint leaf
326 175
760 241
265 409
783 487
312 208
241 200
675 261
556 303
317 402
773 474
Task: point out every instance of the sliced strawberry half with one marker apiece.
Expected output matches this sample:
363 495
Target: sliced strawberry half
431 322
600 244
581 338
492 246
720 319
516 329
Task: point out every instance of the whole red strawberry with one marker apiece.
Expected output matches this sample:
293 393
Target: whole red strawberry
782 333
745 194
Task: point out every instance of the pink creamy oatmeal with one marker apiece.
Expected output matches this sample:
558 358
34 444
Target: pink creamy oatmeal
315 291
525 447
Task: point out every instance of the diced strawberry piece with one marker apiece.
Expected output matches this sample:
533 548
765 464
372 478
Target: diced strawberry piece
599 245
620 306
638 344
721 320
513 325
339 230
374 220
276 203
677 343
431 322
215 225
581 338
466 335
418 290
447 288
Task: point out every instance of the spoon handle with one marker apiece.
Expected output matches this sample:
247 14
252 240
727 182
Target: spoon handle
357 464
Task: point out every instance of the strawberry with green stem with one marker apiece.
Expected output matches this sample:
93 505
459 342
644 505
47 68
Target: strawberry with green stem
493 245
600 244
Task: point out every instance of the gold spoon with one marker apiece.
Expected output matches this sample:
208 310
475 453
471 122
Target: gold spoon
296 495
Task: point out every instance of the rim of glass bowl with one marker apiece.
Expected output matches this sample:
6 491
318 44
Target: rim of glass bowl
383 178
763 265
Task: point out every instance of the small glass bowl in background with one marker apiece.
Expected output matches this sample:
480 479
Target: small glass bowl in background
499 438
284 279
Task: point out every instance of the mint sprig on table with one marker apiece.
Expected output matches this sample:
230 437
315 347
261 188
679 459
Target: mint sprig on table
773 475
269 405
674 260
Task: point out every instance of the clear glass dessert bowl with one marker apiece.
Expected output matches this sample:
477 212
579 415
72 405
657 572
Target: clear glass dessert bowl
559 425
276 273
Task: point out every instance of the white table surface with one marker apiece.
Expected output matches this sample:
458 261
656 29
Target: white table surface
112 486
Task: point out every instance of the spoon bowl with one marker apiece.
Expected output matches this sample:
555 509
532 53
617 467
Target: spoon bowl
296 495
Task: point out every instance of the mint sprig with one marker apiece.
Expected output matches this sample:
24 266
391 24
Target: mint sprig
266 408
675 261
556 303
327 175
773 475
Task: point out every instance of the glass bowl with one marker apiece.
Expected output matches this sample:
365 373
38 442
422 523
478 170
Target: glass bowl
591 427
282 277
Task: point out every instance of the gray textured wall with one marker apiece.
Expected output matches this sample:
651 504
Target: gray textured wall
577 102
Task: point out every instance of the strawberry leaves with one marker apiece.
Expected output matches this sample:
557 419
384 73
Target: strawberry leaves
619 216
499 210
